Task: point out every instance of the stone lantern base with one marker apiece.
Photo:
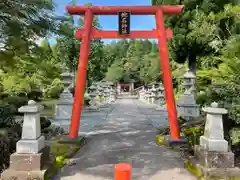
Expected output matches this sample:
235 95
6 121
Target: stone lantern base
27 166
214 164
91 109
213 159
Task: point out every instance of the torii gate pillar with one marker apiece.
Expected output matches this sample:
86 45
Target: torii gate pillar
88 33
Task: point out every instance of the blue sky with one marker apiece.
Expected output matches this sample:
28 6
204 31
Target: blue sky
111 22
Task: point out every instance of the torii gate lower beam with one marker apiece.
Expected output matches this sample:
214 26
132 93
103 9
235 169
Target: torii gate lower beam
88 33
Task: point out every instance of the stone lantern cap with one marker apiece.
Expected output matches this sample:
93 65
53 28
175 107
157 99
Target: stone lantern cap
214 109
153 88
107 90
189 75
32 107
93 87
66 74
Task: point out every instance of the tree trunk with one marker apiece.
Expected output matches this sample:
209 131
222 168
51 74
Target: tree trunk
192 63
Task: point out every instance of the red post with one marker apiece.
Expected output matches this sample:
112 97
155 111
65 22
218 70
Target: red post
81 76
122 171
167 75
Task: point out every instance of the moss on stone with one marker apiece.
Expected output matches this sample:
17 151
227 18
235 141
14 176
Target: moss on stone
59 154
193 169
198 173
160 140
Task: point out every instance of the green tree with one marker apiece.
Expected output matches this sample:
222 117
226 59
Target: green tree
190 40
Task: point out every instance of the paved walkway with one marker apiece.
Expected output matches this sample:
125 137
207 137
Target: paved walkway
126 136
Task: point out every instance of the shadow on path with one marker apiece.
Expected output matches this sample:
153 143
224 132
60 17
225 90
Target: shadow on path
126 136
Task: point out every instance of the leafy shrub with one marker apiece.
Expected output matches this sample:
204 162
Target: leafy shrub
44 122
35 94
14 83
193 135
234 113
3 95
4 153
54 90
202 98
227 95
22 94
86 99
16 101
6 115
8 140
235 135
53 131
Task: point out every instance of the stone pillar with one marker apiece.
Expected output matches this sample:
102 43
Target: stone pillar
131 88
65 102
31 153
213 150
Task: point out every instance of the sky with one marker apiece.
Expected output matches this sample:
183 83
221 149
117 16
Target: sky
111 22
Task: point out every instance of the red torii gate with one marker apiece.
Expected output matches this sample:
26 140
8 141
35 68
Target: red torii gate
88 33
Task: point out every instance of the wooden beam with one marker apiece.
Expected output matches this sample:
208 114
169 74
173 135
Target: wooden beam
101 34
135 10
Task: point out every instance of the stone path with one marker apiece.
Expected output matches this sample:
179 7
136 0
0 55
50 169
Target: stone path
88 120
125 136
158 118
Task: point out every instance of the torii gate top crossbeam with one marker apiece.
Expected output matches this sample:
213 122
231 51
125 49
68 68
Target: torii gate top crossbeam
135 10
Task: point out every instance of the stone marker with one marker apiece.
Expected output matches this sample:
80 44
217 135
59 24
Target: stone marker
31 153
213 151
213 139
31 141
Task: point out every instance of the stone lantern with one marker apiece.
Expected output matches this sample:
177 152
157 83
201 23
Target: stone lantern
112 95
153 94
161 98
67 81
64 104
187 107
213 139
30 161
92 94
147 96
142 94
101 94
189 83
107 94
